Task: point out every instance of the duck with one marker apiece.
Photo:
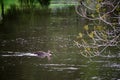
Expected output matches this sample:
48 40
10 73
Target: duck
43 54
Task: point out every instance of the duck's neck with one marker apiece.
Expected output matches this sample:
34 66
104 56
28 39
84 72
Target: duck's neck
48 51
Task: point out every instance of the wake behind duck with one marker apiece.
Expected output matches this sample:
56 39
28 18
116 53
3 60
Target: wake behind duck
40 54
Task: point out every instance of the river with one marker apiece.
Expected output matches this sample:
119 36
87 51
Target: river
45 30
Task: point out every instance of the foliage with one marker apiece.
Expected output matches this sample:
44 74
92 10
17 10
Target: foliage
44 3
27 3
2 8
20 4
101 36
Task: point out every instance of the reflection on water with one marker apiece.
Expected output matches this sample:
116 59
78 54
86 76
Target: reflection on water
33 31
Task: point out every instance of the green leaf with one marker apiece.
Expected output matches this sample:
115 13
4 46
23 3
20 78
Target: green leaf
88 49
86 27
98 6
99 28
92 15
80 35
91 35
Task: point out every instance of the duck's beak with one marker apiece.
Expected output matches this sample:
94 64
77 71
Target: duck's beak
50 54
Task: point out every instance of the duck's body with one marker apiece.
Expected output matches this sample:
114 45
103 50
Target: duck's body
42 54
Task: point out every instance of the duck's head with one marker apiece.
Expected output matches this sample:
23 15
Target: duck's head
49 54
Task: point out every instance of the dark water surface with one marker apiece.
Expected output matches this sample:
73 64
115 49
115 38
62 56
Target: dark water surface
32 31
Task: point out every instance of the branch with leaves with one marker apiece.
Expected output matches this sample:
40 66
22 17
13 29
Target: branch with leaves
93 42
102 10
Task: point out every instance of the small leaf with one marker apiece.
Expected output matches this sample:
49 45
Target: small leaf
80 35
99 0
88 49
105 36
86 27
97 10
91 35
99 28
98 6
92 15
